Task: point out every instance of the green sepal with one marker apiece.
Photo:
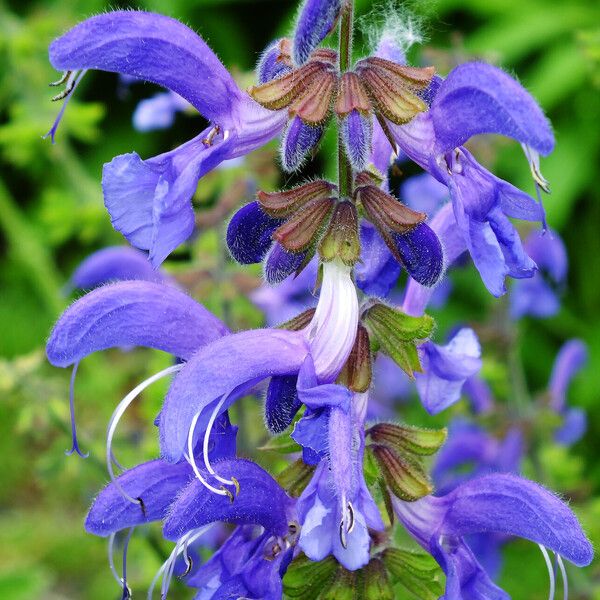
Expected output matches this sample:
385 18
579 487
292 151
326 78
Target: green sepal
416 571
416 440
295 477
403 475
306 580
396 334
373 582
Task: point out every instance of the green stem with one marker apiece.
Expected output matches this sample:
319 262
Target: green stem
345 59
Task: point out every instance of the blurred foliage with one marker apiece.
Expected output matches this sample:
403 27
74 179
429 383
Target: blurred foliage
52 216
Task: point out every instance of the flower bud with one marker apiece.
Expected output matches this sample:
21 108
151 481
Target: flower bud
396 333
249 234
357 131
298 140
316 20
341 238
404 476
280 263
416 440
273 62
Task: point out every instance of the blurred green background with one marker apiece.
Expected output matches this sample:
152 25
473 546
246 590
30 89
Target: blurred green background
52 216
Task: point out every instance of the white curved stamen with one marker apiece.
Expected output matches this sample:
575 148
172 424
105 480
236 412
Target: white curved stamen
180 546
111 558
563 573
205 444
332 331
533 158
191 460
116 416
550 572
121 581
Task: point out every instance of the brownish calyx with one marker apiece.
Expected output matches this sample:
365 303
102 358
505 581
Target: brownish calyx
299 322
393 88
307 92
287 202
351 96
302 229
383 210
357 372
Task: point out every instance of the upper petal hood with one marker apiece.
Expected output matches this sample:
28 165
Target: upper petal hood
260 501
480 98
132 313
155 48
230 366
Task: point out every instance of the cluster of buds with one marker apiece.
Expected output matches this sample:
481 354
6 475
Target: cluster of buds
314 91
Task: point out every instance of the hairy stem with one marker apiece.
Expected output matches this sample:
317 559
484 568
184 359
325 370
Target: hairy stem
345 59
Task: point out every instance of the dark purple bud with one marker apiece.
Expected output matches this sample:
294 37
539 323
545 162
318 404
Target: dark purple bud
249 234
281 403
298 140
421 254
317 18
281 264
271 63
357 132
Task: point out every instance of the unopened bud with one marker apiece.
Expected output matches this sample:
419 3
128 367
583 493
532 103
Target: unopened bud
341 239
299 139
416 440
404 476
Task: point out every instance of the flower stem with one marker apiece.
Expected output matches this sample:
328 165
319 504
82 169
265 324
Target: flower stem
345 58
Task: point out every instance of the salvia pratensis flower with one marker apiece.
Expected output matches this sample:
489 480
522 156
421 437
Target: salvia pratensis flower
501 503
481 202
149 201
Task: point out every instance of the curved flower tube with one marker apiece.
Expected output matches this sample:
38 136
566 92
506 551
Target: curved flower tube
494 503
150 200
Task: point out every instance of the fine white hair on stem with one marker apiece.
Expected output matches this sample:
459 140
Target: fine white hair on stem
205 444
116 416
552 591
192 461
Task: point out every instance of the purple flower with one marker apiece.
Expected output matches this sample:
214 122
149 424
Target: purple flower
116 263
149 201
336 508
478 98
570 359
500 503
538 296
132 313
446 368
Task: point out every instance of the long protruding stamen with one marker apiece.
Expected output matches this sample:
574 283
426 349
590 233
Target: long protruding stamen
70 80
126 591
64 78
205 444
550 572
114 421
74 442
111 558
563 573
180 546
190 458
71 87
